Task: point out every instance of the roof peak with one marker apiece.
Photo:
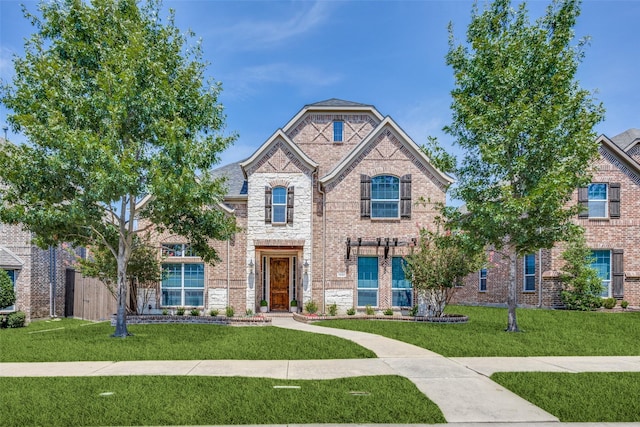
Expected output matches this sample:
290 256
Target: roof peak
335 102
626 138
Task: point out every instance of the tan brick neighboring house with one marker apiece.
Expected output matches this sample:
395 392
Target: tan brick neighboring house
611 219
328 205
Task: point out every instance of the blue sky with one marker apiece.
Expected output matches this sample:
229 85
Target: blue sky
274 57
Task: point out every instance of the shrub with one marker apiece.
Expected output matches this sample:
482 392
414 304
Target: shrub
7 294
414 311
333 309
214 312
263 303
369 311
180 311
16 319
165 312
311 307
229 311
195 312
388 312
609 303
294 303
580 282
248 312
624 304
351 311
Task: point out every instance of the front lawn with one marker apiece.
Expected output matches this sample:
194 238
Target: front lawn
75 340
581 397
546 333
163 400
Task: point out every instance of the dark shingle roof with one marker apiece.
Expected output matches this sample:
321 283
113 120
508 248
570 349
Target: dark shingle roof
335 102
236 184
626 138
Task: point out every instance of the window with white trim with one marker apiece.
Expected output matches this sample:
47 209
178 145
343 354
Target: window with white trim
598 207
385 196
482 280
401 287
338 129
12 276
182 284
367 281
529 273
601 262
279 205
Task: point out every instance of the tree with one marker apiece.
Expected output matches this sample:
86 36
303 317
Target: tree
582 287
438 264
526 128
122 127
7 294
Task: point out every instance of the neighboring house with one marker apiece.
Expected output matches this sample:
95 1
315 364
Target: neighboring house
328 206
611 218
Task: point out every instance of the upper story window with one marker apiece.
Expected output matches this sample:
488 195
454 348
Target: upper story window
338 128
600 200
177 250
278 205
385 196
529 273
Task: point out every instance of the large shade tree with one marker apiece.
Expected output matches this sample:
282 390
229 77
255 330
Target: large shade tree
525 126
115 105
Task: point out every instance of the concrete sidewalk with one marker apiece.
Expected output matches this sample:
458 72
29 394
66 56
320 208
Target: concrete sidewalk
459 386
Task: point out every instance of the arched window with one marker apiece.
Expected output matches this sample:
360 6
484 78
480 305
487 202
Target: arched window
385 196
279 205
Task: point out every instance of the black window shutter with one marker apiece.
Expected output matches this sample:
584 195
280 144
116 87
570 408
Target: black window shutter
583 202
365 196
614 200
405 196
267 205
290 205
618 273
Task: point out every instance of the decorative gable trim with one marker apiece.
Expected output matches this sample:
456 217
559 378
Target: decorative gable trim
9 260
293 126
621 160
386 129
278 141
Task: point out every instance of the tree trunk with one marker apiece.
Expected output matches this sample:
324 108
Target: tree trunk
121 314
512 292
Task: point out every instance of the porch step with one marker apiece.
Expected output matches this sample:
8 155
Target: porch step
278 314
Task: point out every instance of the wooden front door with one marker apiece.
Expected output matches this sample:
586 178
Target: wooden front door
279 283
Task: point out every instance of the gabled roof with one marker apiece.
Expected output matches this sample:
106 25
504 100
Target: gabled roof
236 182
627 139
332 105
264 148
620 154
9 260
445 180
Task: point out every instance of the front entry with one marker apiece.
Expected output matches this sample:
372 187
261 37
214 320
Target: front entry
279 283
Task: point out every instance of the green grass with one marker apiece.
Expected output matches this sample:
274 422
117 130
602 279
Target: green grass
546 333
582 397
74 340
153 400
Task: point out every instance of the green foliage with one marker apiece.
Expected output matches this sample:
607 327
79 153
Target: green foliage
117 110
351 311
388 312
248 312
7 294
595 397
369 311
195 312
229 312
165 312
16 319
180 311
438 156
525 125
333 309
294 303
581 285
624 304
214 312
414 311
311 307
263 303
609 303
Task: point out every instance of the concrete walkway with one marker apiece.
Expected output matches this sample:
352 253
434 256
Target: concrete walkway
459 386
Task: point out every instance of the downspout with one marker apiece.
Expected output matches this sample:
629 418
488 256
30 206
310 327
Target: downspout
228 275
324 225
52 282
540 278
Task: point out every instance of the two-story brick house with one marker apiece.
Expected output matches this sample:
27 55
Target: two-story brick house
611 218
328 205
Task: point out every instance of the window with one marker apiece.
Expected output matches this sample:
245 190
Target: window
12 276
529 273
597 201
337 130
602 264
177 250
183 285
482 280
367 281
279 205
385 196
401 288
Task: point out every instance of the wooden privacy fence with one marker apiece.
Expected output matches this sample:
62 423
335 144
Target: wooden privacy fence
88 298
